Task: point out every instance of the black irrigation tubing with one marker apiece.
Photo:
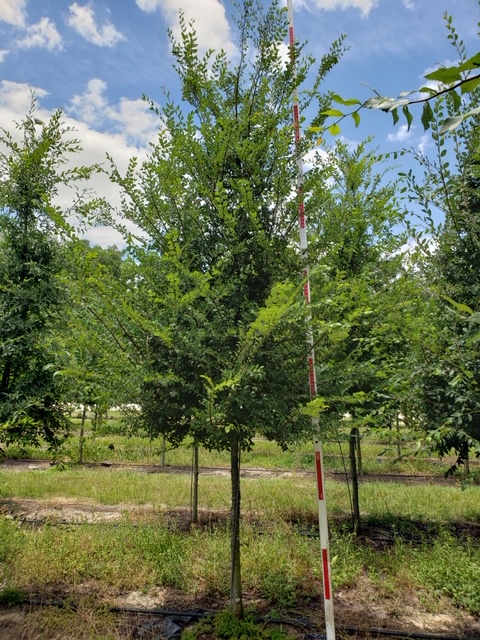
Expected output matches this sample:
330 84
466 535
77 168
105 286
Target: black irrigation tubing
297 622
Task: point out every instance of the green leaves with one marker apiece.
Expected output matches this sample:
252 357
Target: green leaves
455 73
32 300
452 122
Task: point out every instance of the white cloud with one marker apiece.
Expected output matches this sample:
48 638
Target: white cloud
82 19
408 4
425 143
135 120
402 134
284 52
90 106
149 5
15 100
131 118
3 54
210 20
13 12
365 6
42 34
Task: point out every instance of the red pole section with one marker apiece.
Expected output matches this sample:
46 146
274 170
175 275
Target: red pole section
322 506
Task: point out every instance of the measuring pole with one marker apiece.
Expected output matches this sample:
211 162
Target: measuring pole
322 506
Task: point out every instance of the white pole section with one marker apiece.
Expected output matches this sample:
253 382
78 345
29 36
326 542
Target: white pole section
322 505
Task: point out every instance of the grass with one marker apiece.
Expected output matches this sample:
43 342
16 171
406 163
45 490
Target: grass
281 565
275 498
414 554
114 446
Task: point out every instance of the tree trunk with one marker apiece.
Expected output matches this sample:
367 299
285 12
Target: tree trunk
82 435
6 376
236 601
195 484
399 447
359 454
354 437
162 459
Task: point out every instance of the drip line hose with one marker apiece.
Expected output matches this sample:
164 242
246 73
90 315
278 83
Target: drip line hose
197 614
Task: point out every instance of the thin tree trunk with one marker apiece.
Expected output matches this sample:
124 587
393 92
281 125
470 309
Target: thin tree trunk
82 435
195 484
399 448
359 454
353 468
162 453
467 465
236 601
6 376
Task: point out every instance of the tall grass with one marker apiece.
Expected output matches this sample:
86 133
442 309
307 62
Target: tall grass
280 497
279 564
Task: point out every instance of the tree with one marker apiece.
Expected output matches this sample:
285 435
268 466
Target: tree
31 295
358 282
94 372
446 375
448 360
357 253
218 284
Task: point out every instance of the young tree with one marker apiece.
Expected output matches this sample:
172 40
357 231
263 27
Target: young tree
217 214
31 296
358 280
446 372
357 252
448 366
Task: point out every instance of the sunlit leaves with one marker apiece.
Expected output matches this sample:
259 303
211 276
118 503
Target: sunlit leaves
452 122
455 73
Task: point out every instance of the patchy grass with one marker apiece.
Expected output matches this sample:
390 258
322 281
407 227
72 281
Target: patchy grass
280 497
416 550
279 564
378 456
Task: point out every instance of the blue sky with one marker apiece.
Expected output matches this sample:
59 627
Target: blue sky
95 60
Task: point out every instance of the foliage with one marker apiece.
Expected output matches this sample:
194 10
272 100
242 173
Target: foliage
31 295
224 625
95 371
444 361
447 374
12 597
217 306
360 285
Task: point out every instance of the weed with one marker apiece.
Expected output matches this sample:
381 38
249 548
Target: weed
451 569
225 626
11 597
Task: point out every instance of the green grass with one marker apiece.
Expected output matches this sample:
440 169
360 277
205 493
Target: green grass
378 457
280 565
423 560
273 498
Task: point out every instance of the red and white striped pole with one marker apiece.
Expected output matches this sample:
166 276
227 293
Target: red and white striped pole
322 505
